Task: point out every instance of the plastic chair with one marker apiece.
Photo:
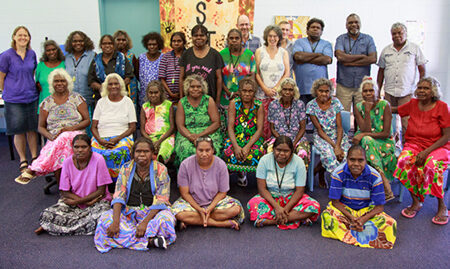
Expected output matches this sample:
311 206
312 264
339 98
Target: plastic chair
345 116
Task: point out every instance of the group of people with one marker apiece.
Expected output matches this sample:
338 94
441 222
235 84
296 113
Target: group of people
210 113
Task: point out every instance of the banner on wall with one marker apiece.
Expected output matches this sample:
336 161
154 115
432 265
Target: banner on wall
219 16
298 25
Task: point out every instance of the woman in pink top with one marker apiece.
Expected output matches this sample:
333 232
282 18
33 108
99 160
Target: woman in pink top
84 194
425 156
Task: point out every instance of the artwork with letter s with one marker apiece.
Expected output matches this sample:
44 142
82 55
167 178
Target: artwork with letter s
219 16
298 25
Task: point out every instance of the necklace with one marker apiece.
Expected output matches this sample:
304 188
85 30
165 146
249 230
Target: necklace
287 119
276 172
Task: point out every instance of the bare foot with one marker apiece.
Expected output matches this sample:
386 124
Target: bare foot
234 225
181 226
39 230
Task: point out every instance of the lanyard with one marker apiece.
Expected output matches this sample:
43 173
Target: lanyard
310 44
77 63
276 172
350 45
175 64
236 62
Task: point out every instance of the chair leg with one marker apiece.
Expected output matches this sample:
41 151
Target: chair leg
49 185
402 193
311 170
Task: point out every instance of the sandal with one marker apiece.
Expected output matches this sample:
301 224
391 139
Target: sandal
24 178
412 214
23 167
234 225
436 221
33 159
259 223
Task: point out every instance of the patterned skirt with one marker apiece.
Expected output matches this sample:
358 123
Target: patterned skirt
380 154
166 147
260 208
185 148
250 164
116 156
62 219
379 231
425 180
162 224
54 153
181 205
302 149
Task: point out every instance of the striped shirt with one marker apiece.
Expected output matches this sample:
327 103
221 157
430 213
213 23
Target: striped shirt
357 193
169 70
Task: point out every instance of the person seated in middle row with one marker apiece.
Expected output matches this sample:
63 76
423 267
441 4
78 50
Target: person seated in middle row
113 124
158 121
203 182
196 116
287 116
329 137
244 147
355 214
281 179
140 216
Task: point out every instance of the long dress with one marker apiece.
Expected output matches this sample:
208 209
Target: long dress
148 71
157 124
380 153
133 87
196 119
245 126
162 224
327 119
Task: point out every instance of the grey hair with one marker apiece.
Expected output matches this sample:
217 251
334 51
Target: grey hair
63 73
368 80
399 25
105 92
187 84
435 87
320 82
289 81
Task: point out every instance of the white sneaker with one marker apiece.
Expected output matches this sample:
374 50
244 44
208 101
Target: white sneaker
242 179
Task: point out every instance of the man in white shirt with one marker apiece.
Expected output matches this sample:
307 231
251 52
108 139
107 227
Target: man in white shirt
399 64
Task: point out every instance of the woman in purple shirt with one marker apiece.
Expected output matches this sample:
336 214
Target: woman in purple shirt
17 66
203 181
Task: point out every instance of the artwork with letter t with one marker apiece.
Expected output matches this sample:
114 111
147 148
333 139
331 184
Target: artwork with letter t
219 16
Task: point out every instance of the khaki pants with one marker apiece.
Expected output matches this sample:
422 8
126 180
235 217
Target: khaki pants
396 102
346 95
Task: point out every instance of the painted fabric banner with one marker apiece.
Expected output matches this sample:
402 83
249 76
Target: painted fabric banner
219 16
298 25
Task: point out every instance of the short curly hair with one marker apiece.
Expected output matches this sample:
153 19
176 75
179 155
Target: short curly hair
157 84
153 36
105 92
435 87
59 72
88 44
277 30
188 80
292 82
320 82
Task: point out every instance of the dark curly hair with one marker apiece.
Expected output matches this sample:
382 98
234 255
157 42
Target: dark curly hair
153 36
315 20
59 57
88 44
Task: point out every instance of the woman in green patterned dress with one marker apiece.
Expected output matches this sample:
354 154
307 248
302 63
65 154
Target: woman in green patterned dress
197 116
373 117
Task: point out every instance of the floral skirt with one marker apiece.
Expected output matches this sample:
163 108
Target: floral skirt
379 231
162 224
260 208
54 153
181 205
116 156
165 148
62 219
185 148
425 180
250 164
302 149
380 154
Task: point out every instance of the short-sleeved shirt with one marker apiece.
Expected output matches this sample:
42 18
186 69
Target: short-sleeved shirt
86 181
357 193
326 118
425 127
63 115
400 68
294 174
205 67
351 76
306 73
253 43
148 71
110 67
287 120
19 86
169 70
78 70
235 68
204 184
114 117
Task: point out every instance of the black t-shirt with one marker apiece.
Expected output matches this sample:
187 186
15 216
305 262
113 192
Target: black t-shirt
205 67
140 192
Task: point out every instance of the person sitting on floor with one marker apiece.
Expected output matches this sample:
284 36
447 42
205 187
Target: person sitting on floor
62 116
84 194
281 179
203 182
141 215
355 214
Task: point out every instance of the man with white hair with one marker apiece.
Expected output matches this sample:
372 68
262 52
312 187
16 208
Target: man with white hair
399 64
249 41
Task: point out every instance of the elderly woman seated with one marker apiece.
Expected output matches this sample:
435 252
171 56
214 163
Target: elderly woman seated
287 116
203 181
141 216
426 152
244 147
62 116
373 117
157 118
84 194
329 137
282 200
355 214
113 124
197 116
